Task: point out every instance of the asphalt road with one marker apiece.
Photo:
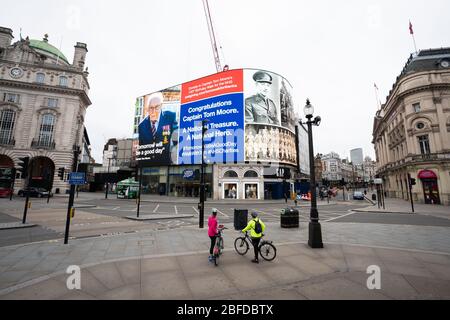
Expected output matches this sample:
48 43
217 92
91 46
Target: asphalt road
99 216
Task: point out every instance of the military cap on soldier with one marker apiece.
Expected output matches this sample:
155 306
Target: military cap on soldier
262 76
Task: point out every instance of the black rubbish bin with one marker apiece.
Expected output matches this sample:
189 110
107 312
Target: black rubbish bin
374 197
57 191
289 218
240 218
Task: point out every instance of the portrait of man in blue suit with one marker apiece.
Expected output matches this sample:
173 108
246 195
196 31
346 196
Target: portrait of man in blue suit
157 129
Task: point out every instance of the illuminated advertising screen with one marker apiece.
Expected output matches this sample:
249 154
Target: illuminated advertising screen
248 116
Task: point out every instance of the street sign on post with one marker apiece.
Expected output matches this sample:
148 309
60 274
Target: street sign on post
77 178
378 181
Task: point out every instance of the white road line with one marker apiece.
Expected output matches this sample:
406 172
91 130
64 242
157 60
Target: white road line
176 211
269 214
223 213
154 211
348 214
195 210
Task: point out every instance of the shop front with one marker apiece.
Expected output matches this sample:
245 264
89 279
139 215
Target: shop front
277 183
430 186
175 181
154 180
184 181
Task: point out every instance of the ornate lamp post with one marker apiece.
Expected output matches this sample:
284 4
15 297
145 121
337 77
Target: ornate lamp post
315 231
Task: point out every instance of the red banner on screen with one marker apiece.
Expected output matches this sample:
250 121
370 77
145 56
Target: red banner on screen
211 86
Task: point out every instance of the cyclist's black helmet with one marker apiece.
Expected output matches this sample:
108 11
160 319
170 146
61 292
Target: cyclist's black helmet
254 214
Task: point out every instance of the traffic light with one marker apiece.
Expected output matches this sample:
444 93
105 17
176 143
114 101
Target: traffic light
61 173
24 167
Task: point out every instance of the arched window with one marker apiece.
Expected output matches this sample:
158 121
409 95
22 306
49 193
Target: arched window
7 120
46 130
251 174
230 174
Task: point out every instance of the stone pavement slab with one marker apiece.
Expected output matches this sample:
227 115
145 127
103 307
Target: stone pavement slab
191 277
15 225
393 205
120 262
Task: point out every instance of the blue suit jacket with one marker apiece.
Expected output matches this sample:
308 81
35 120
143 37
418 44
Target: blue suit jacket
167 121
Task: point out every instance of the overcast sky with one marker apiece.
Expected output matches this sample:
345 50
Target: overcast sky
331 52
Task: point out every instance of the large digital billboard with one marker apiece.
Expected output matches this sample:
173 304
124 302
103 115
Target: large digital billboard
248 114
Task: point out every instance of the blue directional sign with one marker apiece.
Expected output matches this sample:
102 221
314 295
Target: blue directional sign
77 178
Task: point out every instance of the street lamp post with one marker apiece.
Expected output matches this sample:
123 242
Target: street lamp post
315 231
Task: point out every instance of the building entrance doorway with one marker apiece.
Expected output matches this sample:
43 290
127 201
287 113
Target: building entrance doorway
431 191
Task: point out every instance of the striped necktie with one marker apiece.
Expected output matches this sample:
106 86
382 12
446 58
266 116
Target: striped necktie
153 128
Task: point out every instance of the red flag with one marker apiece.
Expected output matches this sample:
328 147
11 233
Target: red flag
411 28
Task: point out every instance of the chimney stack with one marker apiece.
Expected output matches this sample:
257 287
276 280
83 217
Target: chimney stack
80 55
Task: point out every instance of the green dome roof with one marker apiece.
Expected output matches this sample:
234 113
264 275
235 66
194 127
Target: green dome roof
48 48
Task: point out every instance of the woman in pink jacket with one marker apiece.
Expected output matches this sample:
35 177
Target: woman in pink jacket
212 231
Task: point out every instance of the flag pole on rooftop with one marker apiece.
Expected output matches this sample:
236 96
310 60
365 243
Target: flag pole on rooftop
411 31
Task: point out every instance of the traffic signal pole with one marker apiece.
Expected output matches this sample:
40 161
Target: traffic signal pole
25 210
24 173
410 192
139 193
76 152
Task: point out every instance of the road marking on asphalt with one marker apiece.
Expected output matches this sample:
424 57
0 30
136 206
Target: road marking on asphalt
345 215
195 210
269 214
223 213
156 208
176 211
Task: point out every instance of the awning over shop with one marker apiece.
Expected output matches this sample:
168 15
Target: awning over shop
427 174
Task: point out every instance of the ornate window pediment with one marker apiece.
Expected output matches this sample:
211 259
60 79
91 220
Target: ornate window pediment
11 106
44 110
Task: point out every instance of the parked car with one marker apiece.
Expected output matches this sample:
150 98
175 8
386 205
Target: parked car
358 195
34 192
5 192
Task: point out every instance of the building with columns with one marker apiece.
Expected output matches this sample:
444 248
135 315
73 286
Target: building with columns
411 131
43 102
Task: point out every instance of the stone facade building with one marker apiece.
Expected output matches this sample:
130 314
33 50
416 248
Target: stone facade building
411 131
43 102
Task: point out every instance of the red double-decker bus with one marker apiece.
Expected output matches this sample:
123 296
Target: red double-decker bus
7 176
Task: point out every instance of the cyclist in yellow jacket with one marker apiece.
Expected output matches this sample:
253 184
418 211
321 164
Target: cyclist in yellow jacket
256 237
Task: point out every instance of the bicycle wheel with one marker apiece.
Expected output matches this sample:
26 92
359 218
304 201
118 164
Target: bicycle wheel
241 246
267 251
220 246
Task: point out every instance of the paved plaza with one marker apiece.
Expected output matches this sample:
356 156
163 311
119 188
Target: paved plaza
142 260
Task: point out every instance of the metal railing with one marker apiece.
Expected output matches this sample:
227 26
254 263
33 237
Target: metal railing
442 156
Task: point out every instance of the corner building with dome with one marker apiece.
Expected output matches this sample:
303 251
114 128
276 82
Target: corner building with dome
43 103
